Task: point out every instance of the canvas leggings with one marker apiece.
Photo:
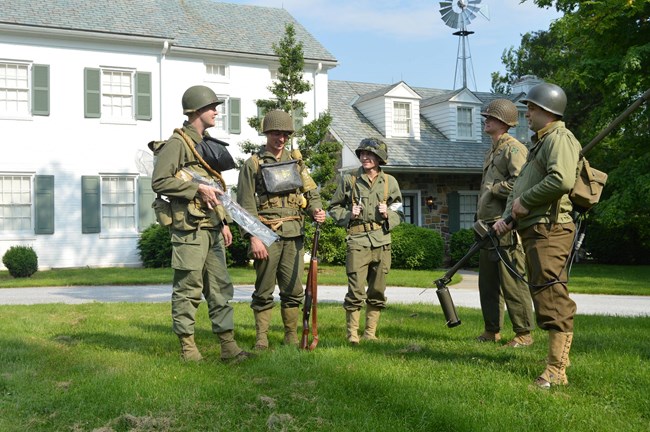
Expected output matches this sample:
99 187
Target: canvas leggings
371 265
547 248
285 265
498 286
199 263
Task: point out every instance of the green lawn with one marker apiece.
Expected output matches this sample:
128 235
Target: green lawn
115 367
585 278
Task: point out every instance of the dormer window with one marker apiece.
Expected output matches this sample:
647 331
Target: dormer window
465 122
401 118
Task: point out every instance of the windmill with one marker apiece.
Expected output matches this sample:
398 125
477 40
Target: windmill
458 14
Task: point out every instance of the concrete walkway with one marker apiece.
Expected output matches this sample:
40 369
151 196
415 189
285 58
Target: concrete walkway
464 294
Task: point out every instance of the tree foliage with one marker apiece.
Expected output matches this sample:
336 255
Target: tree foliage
599 53
319 151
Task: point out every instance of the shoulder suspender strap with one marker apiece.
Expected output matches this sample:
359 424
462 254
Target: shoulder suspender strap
208 168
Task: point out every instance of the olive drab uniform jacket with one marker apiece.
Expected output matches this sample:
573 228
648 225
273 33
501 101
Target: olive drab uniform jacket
188 211
547 177
253 196
371 229
501 166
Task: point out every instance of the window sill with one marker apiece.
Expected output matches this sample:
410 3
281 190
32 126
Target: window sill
118 234
18 236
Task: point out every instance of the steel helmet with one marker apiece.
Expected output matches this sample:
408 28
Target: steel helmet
197 97
549 97
373 145
277 120
503 110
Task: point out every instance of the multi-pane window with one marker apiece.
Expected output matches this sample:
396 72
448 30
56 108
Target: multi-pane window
15 203
117 94
465 123
221 121
522 133
409 209
468 202
216 72
14 89
401 118
118 203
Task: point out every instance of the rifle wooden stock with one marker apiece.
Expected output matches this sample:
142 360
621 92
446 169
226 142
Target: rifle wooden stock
310 307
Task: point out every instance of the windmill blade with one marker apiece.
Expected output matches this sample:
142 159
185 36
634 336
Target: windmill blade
485 11
449 16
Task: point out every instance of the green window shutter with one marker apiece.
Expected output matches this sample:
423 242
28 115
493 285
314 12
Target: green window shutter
44 204
143 96
92 93
297 119
146 196
90 205
41 90
453 209
261 112
234 116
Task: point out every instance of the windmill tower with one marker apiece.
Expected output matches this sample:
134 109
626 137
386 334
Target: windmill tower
458 14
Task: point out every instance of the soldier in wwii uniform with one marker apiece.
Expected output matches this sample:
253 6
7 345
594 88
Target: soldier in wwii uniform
199 230
266 190
369 204
496 283
542 210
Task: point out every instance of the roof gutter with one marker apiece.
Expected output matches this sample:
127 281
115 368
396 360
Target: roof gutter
431 170
40 31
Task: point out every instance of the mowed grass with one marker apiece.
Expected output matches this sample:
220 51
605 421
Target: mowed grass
584 278
115 367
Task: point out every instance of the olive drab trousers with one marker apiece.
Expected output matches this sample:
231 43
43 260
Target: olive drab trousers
547 248
199 263
497 285
285 265
371 265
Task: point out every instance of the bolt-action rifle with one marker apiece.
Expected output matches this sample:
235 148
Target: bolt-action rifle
311 298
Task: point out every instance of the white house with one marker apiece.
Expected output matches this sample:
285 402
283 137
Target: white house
85 85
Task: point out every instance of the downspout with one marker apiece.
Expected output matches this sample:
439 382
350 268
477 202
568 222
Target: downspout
163 54
319 68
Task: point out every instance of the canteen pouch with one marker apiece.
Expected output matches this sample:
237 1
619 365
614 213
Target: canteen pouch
588 186
281 177
163 211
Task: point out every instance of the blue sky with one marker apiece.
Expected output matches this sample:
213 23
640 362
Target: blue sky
385 41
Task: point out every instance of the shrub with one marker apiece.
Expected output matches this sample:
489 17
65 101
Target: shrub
460 243
416 248
21 261
332 247
615 244
237 253
155 247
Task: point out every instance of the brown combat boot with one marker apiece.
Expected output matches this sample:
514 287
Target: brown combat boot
262 322
230 351
290 321
372 319
352 323
488 336
189 351
521 340
559 345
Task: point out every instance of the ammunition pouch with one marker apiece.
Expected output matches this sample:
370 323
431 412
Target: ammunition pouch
588 186
163 211
364 227
266 201
281 177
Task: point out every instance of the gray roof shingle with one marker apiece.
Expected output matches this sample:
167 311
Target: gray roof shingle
201 24
432 152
